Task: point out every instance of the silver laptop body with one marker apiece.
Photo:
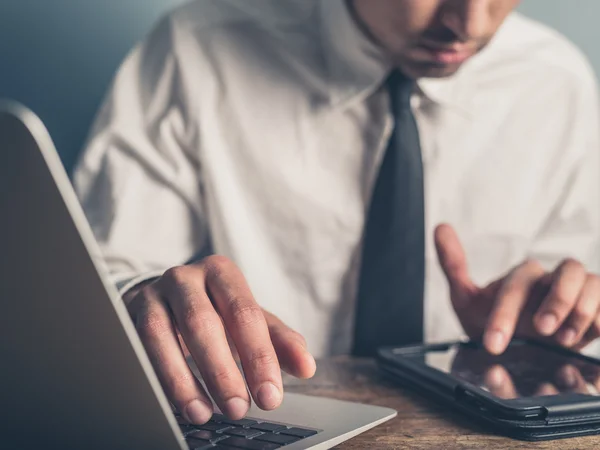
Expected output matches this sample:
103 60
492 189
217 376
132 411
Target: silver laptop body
74 373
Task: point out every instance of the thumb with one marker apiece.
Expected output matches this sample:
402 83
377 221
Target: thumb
453 260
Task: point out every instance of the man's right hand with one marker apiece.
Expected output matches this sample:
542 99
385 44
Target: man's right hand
207 309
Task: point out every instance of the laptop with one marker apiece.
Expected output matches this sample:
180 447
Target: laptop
74 373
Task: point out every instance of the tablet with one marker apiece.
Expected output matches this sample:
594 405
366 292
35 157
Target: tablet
533 391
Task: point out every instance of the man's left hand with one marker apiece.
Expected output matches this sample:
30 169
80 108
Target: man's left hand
562 306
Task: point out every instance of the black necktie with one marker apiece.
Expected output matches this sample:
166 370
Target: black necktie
392 276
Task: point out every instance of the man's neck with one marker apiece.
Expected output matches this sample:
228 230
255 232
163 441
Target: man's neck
363 26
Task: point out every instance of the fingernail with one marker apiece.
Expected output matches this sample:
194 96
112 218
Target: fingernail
236 408
495 378
546 389
313 364
495 341
198 412
568 337
569 377
269 396
547 324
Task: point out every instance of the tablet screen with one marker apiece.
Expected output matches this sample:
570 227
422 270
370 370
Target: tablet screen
523 370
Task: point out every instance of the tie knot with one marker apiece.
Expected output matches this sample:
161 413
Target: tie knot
401 88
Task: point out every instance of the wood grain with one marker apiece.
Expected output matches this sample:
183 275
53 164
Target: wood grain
420 424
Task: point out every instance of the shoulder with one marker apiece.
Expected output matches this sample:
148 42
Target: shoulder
209 30
530 54
208 14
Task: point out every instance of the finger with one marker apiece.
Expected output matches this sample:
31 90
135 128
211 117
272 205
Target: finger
568 280
232 347
510 302
569 379
204 335
591 334
246 323
500 383
583 314
158 335
291 350
546 389
595 383
453 261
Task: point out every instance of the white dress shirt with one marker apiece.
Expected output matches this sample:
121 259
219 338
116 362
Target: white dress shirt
255 130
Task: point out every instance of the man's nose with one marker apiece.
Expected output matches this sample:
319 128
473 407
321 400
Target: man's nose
468 19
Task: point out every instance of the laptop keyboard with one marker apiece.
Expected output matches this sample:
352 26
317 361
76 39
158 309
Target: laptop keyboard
221 433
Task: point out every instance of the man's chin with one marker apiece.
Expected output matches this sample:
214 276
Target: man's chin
419 69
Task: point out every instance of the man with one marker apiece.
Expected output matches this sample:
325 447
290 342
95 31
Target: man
263 153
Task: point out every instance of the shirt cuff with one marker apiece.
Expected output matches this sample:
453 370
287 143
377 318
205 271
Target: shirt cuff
125 284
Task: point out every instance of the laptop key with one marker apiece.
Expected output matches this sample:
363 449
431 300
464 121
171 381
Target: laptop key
280 439
247 444
268 427
239 423
211 426
205 435
228 447
199 445
220 418
216 417
242 432
299 432
181 420
186 429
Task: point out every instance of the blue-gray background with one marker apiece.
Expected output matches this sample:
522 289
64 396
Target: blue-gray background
58 56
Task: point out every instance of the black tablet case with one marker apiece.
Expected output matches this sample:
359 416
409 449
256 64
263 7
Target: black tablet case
561 421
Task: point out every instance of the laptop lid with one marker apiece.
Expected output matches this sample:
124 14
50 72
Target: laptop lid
72 363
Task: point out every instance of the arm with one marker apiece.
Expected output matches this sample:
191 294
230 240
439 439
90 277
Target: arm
572 229
140 185
139 179
555 294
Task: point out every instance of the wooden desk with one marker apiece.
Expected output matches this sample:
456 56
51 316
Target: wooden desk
420 424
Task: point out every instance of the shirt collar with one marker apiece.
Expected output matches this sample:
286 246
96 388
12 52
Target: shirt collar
451 91
356 66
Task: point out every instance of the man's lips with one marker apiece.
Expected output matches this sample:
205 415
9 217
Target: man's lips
453 54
